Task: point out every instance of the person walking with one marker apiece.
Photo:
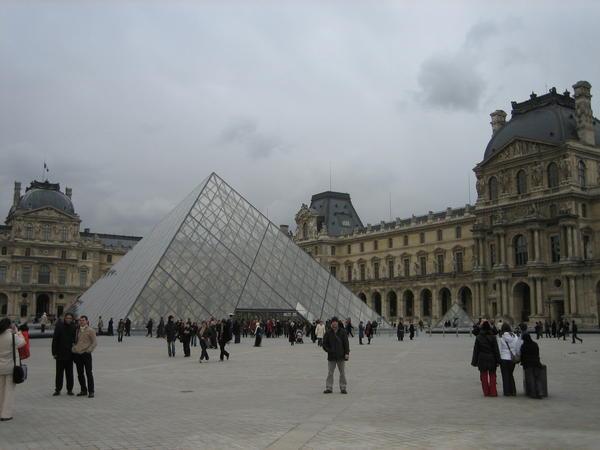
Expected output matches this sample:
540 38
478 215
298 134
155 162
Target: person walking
400 331
411 331
25 351
349 328
127 326
171 333
43 322
62 345
203 338
509 345
10 340
110 330
120 330
361 332
185 336
486 358
532 368
369 331
257 335
224 331
336 344
320 332
237 330
149 327
574 330
292 333
85 343
100 325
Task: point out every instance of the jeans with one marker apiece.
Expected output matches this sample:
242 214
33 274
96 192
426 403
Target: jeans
331 367
171 347
83 362
508 381
203 346
223 351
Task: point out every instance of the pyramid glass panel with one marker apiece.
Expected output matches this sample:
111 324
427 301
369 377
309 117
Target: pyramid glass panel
213 254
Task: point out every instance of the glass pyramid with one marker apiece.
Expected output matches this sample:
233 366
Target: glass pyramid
213 254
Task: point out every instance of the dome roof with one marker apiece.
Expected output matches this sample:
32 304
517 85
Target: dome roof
40 195
549 118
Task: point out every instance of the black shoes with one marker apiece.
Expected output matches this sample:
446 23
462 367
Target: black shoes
70 393
82 394
56 393
327 391
343 391
91 395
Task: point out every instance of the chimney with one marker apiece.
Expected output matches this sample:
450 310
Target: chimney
583 112
68 192
284 229
498 120
17 194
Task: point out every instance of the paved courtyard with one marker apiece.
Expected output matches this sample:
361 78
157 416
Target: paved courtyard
420 394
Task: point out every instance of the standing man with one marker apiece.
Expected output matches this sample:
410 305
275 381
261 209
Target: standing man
171 333
361 332
127 326
336 344
100 325
110 330
400 330
62 343
149 327
85 343
224 329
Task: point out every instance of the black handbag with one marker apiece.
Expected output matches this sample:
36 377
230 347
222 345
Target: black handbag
20 371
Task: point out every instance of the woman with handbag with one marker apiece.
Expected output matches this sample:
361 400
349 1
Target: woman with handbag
509 345
10 341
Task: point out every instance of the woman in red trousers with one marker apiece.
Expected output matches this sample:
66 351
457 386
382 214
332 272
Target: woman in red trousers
486 358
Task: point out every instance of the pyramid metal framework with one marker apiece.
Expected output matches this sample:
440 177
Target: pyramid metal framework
213 254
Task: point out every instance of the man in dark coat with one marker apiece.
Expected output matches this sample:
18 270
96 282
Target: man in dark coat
486 358
171 333
224 330
361 332
400 331
335 343
574 332
127 327
149 327
62 342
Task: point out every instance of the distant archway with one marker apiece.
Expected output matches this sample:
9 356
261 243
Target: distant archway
3 305
363 297
376 297
42 304
445 299
409 303
465 299
392 304
426 303
521 302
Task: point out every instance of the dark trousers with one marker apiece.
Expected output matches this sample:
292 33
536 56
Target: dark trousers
576 337
508 380
149 332
186 347
119 336
224 353
64 368
84 370
237 338
360 338
203 346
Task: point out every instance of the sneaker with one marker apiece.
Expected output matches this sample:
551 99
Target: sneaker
82 394
56 393
343 391
327 391
91 395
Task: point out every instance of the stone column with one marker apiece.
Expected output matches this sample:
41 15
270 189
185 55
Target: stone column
503 249
532 255
533 295
435 304
536 239
569 231
539 297
566 294
401 306
505 305
476 300
572 295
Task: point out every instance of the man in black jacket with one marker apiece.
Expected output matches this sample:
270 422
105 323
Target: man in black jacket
171 333
62 342
335 343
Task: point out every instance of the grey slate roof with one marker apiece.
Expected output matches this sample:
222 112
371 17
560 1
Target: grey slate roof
113 240
335 210
548 118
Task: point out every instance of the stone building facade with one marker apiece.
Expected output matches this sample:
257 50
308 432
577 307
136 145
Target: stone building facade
46 262
527 250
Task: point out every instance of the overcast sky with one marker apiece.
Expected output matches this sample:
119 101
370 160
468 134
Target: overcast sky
132 104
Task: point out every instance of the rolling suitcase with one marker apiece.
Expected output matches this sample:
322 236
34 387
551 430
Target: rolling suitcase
535 381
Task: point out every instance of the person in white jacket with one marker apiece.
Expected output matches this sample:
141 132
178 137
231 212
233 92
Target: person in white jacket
509 345
7 386
320 332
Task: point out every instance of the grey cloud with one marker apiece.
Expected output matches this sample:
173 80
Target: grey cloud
245 133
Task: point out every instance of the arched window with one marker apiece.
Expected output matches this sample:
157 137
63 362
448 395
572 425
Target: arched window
44 275
29 231
552 175
581 173
521 182
520 244
493 188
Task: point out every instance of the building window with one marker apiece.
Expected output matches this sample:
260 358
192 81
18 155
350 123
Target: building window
458 258
375 245
44 275
587 247
520 244
362 246
405 240
349 249
333 271
46 232
4 251
84 255
581 174
63 234
62 276
3 272
376 271
391 268
362 272
492 255
493 188
63 254
23 310
521 182
109 257
390 243
458 232
332 252
552 175
440 235
26 275
422 238
423 263
555 248
4 308
406 263
29 231
440 263
349 273
83 275
583 210
27 251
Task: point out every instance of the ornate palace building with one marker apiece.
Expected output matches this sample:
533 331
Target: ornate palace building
527 250
46 263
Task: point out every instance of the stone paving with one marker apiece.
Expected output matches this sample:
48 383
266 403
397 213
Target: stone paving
419 394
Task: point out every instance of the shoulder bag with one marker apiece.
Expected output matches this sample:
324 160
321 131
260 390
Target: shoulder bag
20 371
514 358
